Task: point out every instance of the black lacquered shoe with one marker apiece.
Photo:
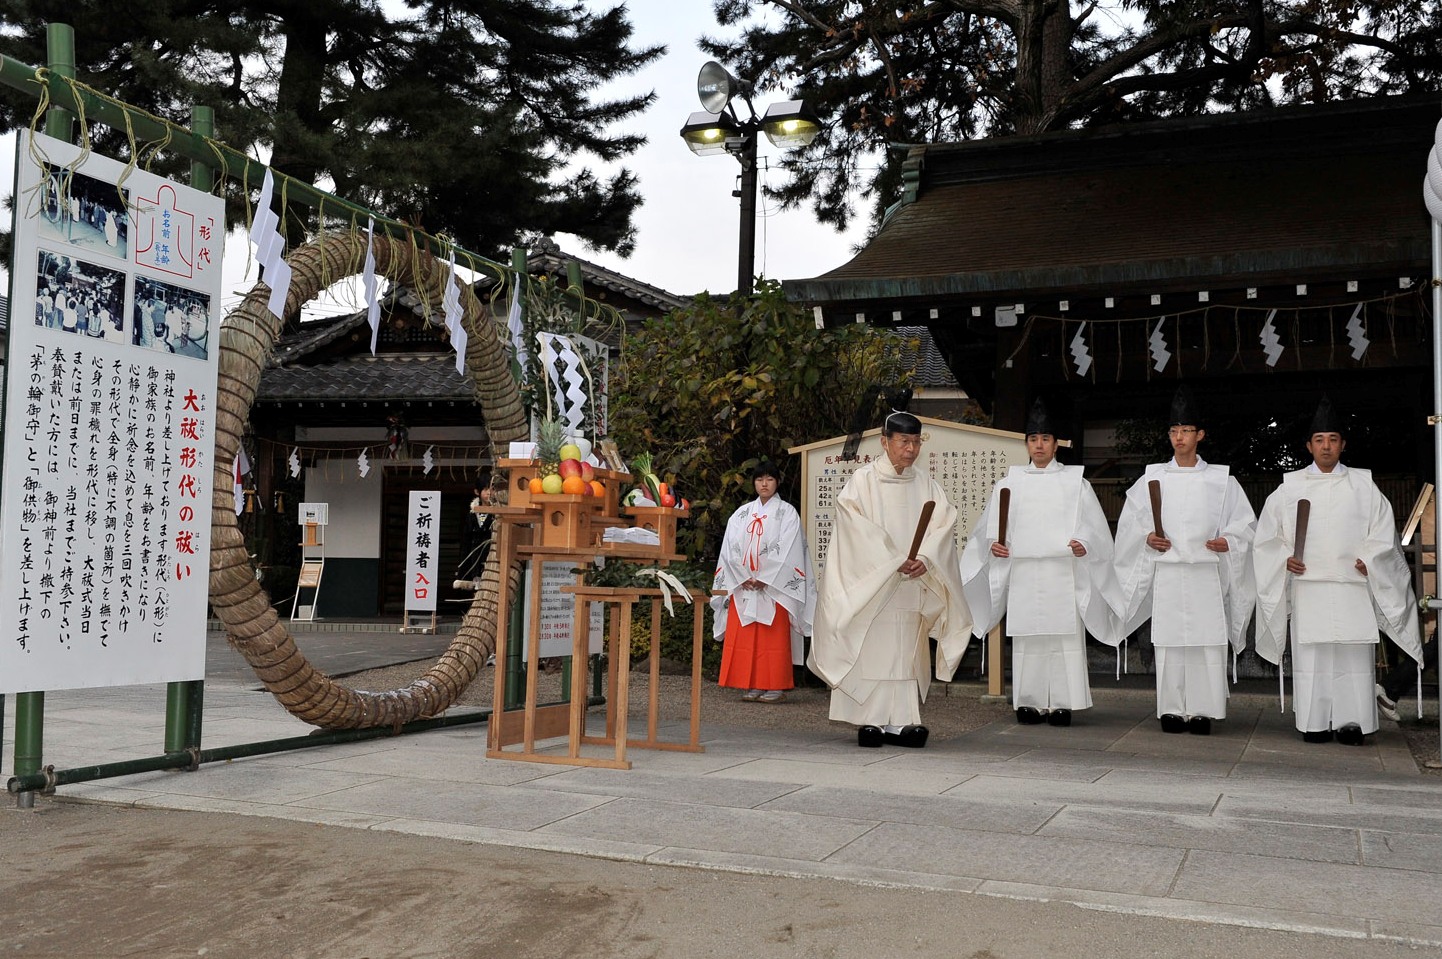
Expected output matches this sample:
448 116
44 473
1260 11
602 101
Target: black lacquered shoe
1059 717
1350 735
1199 726
1172 723
913 737
1028 715
1319 736
869 736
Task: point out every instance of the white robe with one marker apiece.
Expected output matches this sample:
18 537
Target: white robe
765 542
1194 597
1051 598
870 638
1334 610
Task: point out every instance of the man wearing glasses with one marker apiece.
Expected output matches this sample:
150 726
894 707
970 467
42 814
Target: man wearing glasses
878 604
1192 578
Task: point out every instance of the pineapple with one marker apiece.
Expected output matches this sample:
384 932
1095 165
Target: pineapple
550 437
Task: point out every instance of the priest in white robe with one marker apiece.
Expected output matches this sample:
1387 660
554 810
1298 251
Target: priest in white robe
1194 581
1051 576
878 605
1349 581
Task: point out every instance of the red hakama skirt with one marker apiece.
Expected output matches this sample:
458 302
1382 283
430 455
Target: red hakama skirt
757 656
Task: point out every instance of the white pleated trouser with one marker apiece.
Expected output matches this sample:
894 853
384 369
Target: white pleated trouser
1334 684
1192 681
1050 672
888 681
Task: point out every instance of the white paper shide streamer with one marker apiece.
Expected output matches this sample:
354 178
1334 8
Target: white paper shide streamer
1158 343
270 248
1357 334
451 301
428 462
566 375
1271 343
517 328
363 464
293 461
369 282
1080 352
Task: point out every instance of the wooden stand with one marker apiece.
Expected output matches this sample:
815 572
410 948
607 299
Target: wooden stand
522 532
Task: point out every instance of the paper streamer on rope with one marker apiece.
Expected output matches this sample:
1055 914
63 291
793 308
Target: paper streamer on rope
368 280
1158 343
1271 343
1080 353
242 467
293 461
665 581
1432 184
363 464
428 462
517 328
270 248
1357 334
451 300
566 374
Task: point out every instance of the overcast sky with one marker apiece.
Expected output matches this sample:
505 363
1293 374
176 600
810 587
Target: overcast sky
687 230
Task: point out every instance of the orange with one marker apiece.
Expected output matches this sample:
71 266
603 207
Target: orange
574 485
597 489
535 484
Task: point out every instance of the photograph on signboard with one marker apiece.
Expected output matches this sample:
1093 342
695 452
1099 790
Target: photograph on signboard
105 497
171 318
74 296
84 212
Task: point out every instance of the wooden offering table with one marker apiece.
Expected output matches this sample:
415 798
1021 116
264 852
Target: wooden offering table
568 529
618 672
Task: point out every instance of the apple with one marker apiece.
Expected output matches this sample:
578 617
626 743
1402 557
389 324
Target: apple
569 468
588 472
667 499
552 484
570 452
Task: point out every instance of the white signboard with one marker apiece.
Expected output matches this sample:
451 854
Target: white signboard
109 424
965 460
422 544
558 612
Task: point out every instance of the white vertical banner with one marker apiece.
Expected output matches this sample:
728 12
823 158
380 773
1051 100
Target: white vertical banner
422 546
109 433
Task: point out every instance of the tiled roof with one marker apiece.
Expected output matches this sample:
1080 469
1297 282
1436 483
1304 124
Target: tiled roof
548 257
1249 200
388 376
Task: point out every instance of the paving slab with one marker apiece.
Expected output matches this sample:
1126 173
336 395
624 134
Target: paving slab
1323 889
1402 850
879 776
1079 863
1282 840
737 791
1198 799
1390 818
498 807
947 811
688 826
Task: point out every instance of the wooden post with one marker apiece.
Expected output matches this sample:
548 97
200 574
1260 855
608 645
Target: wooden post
995 662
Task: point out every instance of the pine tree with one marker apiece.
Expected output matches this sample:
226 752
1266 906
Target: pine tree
469 117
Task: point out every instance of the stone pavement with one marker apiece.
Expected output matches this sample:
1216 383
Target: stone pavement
1249 826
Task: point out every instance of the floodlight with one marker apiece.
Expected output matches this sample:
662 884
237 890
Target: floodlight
716 86
706 133
790 123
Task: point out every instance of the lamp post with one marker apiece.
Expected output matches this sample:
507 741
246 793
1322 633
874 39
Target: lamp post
718 128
